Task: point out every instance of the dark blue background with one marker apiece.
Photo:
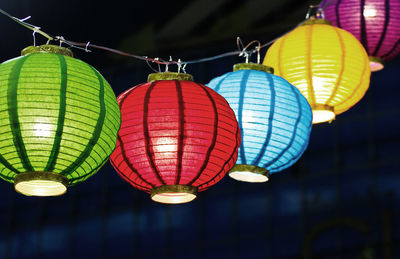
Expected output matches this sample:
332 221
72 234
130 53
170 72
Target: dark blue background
341 200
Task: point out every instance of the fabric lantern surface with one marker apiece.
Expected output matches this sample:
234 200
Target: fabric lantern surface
375 23
177 137
327 64
274 120
59 120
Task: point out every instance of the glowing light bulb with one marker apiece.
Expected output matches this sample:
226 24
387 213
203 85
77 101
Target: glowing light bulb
42 129
369 12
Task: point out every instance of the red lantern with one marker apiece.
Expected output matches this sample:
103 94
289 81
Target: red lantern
177 137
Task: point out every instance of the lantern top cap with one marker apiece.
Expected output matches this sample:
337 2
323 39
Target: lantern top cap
253 66
169 76
312 21
47 48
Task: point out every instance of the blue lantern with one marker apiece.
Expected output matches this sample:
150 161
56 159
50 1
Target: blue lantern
274 119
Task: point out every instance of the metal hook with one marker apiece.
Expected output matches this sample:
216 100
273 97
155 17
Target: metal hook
158 64
179 63
87 45
34 38
60 39
184 68
239 43
150 66
257 49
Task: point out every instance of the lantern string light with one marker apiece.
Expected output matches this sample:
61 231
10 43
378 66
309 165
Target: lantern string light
85 46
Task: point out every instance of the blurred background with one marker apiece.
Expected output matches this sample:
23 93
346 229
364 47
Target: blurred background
341 200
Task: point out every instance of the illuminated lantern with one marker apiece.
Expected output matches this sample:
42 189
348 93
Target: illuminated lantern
177 137
59 120
327 64
274 120
375 23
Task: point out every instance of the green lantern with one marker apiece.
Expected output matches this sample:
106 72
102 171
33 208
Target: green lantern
59 120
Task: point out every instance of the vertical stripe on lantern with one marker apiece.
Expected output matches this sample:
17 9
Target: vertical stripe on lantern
337 8
294 134
223 168
61 115
146 133
270 117
309 66
181 132
12 99
125 158
342 67
97 129
242 88
385 27
214 138
364 40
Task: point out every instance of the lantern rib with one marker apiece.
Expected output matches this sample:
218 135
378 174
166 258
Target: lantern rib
80 177
13 113
226 162
219 84
146 133
263 149
310 87
337 10
214 139
97 129
130 165
123 151
392 49
385 27
243 81
279 53
340 76
294 133
61 116
363 36
181 134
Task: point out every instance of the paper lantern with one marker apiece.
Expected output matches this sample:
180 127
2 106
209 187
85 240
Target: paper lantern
177 137
59 120
274 120
327 64
375 23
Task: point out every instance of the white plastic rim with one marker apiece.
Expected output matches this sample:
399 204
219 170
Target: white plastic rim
247 176
40 188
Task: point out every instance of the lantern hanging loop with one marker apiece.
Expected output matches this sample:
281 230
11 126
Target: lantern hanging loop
247 53
315 12
151 67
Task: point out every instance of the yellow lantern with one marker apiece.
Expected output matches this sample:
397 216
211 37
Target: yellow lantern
328 65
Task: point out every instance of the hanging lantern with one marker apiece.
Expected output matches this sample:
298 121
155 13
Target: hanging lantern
327 64
59 120
177 137
375 23
274 120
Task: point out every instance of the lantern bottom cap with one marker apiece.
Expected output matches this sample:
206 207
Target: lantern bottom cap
322 113
40 184
375 64
174 194
249 173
